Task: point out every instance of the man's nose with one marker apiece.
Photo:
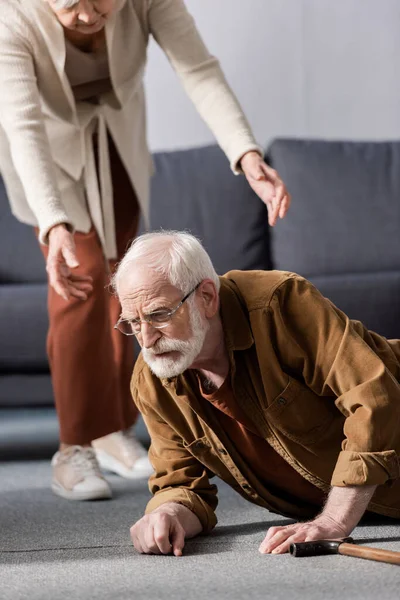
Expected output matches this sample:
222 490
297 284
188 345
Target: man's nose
86 13
148 335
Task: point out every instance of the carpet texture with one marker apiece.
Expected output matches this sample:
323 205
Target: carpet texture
54 549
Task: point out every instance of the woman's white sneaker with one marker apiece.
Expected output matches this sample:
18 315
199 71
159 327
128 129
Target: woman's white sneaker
77 476
122 453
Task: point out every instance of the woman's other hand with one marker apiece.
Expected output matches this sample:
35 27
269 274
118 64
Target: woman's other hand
61 262
267 184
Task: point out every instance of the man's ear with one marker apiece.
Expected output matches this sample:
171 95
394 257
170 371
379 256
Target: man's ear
209 297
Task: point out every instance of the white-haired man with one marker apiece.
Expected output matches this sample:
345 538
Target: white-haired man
257 378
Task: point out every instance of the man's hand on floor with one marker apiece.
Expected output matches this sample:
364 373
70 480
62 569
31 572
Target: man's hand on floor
278 539
343 510
164 530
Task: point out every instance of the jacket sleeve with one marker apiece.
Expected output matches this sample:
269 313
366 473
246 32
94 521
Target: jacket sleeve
175 31
178 476
339 357
22 120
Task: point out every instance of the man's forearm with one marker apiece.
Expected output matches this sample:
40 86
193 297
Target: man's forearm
189 521
346 505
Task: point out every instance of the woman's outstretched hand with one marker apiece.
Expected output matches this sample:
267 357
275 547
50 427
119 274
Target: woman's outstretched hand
267 184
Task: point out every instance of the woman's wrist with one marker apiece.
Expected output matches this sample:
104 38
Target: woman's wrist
58 227
249 158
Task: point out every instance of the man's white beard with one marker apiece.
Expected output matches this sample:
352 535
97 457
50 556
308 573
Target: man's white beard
188 350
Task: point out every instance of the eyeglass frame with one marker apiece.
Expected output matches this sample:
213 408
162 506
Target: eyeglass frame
147 320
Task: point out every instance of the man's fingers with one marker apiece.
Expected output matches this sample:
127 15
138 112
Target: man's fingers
162 536
147 540
178 540
145 549
308 533
136 542
299 536
142 537
281 538
273 531
158 533
275 537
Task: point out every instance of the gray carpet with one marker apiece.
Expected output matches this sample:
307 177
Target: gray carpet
51 548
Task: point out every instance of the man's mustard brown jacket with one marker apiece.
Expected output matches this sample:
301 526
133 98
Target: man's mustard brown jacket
322 390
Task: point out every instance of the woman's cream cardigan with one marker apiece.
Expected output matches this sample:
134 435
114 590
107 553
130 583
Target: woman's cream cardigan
46 154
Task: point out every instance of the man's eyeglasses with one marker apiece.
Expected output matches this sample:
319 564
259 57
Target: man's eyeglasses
157 319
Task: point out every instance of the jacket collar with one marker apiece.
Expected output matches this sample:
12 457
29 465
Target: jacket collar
235 319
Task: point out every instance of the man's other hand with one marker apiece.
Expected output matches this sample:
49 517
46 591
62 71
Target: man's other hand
164 530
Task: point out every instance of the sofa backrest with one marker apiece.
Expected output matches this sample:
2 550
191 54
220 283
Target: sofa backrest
192 190
21 260
343 228
345 215
195 190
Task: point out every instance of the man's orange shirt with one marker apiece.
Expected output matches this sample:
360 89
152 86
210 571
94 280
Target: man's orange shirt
276 474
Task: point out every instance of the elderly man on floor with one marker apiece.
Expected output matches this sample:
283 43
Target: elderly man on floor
257 378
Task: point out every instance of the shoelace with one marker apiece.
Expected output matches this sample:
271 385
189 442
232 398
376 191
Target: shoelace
130 445
83 459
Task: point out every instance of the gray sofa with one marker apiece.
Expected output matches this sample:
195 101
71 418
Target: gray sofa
342 232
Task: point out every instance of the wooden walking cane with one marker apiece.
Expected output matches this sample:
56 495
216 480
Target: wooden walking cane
345 547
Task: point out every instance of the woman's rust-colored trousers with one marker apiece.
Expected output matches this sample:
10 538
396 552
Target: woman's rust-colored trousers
91 363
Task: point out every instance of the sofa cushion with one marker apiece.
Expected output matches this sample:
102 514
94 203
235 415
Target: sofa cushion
345 213
195 190
20 257
23 328
25 389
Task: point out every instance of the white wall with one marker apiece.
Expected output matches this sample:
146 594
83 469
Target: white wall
317 68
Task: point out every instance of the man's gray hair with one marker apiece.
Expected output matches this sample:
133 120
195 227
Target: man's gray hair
60 4
177 255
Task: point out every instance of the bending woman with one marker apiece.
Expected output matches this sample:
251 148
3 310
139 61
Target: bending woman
76 166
